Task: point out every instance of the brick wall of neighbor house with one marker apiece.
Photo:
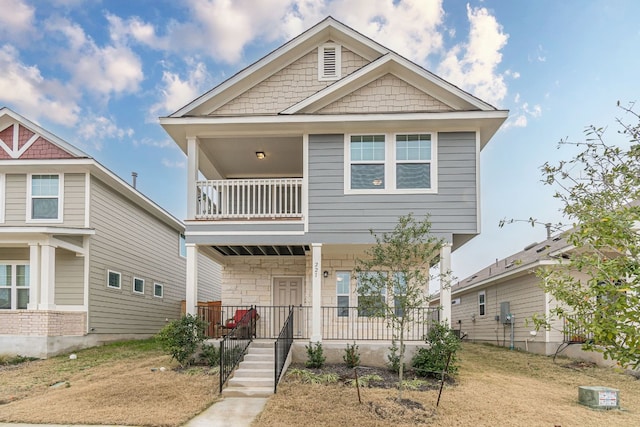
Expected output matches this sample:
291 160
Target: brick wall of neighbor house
43 323
387 94
288 86
249 280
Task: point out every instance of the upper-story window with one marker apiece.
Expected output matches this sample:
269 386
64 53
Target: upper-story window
45 200
392 163
329 61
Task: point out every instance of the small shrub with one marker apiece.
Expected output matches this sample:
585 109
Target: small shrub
210 354
351 356
315 355
309 377
394 357
7 359
181 338
432 361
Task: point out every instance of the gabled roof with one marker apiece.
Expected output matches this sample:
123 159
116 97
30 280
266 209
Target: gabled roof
382 60
520 263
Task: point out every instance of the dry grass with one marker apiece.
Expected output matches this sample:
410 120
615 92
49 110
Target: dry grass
495 387
112 384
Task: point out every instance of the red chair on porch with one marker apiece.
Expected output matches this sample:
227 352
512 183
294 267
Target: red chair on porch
244 322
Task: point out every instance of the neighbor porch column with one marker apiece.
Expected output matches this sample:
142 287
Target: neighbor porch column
445 284
47 277
192 279
34 276
192 176
316 294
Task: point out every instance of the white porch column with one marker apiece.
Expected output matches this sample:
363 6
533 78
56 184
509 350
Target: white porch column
445 284
34 276
192 279
192 176
47 277
316 295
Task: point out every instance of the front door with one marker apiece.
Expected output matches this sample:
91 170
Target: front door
287 292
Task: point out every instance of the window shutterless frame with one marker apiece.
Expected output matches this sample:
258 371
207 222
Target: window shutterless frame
138 286
158 290
114 279
45 198
482 303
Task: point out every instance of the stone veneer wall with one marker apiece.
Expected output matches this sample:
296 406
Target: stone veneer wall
43 323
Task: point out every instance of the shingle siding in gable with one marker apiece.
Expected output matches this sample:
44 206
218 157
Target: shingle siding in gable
333 214
287 87
388 94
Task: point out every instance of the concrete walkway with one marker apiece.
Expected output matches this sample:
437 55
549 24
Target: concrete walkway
228 412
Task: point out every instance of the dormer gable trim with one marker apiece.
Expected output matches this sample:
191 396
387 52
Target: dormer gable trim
325 31
404 69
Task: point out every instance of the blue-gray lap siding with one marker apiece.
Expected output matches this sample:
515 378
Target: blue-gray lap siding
347 218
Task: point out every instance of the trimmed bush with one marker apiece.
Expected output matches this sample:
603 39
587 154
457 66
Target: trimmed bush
181 338
351 355
315 355
432 361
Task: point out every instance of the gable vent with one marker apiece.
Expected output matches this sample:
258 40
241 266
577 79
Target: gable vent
329 61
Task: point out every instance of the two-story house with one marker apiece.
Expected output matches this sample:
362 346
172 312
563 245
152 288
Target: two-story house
85 258
293 160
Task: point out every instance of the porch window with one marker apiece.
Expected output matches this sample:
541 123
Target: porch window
113 279
14 286
44 194
158 290
343 280
482 300
138 285
371 305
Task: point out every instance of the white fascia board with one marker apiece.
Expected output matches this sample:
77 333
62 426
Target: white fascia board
329 26
43 132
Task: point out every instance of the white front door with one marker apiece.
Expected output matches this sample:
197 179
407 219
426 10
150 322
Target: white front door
287 291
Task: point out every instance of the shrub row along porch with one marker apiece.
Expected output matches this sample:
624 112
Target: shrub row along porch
338 323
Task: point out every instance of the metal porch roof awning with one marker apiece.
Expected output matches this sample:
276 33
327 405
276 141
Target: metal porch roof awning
262 250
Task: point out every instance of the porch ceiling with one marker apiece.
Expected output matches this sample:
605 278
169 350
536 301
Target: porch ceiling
262 250
235 157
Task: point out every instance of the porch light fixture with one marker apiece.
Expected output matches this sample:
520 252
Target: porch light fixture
325 274
260 155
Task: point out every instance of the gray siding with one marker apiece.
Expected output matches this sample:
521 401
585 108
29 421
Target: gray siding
69 278
132 242
332 213
209 279
73 214
16 199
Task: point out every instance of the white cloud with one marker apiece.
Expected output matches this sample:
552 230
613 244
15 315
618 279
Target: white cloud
473 65
522 113
111 69
174 163
24 88
93 130
16 19
176 92
164 143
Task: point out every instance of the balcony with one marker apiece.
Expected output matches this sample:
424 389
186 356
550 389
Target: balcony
247 199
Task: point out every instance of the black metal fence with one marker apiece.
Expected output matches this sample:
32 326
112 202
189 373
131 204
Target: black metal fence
338 323
282 346
234 344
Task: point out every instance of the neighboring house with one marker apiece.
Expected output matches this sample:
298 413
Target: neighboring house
484 305
84 257
293 160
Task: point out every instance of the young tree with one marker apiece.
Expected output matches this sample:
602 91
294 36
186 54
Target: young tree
600 192
397 267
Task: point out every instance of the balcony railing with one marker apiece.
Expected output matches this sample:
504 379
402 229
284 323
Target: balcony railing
249 198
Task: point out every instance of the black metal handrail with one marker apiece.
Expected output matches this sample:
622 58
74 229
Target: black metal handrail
282 346
234 344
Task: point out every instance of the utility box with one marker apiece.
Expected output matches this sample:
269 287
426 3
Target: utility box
599 397
505 313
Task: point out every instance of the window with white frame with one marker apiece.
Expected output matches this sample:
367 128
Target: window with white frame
370 305
114 279
158 290
44 197
390 163
183 246
138 285
343 280
14 286
329 61
482 303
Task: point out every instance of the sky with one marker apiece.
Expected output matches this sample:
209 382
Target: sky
98 74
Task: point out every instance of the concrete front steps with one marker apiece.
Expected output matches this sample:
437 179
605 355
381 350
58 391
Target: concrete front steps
254 376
